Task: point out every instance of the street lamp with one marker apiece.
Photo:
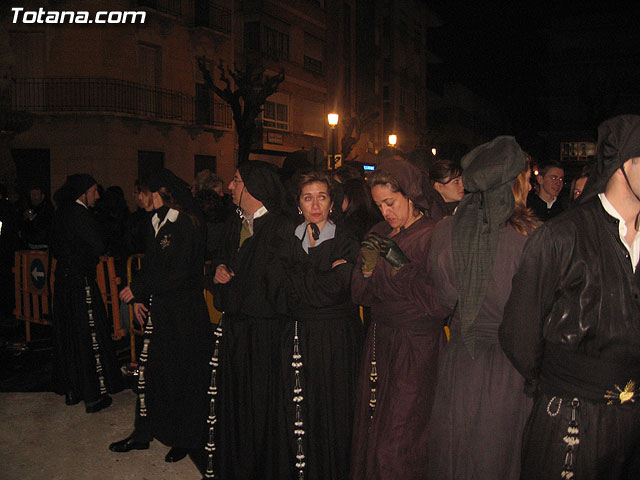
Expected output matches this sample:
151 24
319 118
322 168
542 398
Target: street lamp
393 139
333 118
434 151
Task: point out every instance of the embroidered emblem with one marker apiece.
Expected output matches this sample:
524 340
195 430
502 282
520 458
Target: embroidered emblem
166 241
626 395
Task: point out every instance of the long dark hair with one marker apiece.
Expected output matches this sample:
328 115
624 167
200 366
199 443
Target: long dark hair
170 200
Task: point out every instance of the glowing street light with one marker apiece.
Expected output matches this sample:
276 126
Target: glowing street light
333 118
434 151
393 139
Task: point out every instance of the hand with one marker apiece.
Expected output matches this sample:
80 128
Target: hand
340 261
392 254
140 312
126 295
223 274
370 251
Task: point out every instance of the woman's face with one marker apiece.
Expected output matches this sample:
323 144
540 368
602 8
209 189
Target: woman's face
315 203
395 207
578 187
451 191
157 200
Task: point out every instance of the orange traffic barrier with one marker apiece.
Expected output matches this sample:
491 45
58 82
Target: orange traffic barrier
134 263
34 297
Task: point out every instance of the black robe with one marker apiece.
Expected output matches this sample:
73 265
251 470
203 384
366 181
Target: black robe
248 400
572 328
176 373
318 298
77 245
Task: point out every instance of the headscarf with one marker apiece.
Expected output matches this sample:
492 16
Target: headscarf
74 186
618 141
409 177
488 173
263 183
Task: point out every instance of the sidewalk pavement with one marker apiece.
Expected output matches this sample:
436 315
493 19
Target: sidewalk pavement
42 438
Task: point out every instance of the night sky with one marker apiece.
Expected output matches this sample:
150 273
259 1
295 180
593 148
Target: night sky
503 53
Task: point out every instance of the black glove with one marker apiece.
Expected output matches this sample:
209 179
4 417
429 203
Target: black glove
391 252
370 251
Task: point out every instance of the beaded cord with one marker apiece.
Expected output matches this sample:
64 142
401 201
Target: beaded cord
94 337
373 376
144 355
572 441
212 419
298 424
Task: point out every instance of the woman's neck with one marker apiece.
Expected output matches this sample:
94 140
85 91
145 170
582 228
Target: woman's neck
320 226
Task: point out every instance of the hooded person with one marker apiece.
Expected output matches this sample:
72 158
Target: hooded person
397 377
480 408
244 425
167 295
85 365
571 323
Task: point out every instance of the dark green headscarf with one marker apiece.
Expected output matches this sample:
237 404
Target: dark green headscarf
488 172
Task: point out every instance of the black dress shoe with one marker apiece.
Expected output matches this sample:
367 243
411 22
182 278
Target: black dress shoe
104 402
175 454
71 398
127 445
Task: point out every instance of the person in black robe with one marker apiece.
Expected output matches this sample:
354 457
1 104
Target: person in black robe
86 367
244 390
572 323
322 336
174 372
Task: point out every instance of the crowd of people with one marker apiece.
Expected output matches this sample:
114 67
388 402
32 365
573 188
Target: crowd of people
501 332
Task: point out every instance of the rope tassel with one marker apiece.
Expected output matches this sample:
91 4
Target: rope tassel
212 419
298 424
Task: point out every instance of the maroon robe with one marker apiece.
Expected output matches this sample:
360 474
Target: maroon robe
407 323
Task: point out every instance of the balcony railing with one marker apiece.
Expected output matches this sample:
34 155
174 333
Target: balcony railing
172 7
209 14
107 95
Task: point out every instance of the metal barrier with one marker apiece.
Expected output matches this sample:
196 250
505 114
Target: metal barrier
34 297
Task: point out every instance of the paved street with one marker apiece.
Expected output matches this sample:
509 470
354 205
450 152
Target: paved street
42 438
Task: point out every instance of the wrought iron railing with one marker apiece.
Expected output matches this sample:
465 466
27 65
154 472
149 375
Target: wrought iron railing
108 95
208 14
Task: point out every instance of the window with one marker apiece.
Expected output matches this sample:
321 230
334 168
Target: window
313 53
276 112
204 104
252 36
204 162
276 44
148 163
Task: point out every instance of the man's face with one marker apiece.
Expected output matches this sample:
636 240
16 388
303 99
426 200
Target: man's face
92 195
236 188
552 181
632 169
36 196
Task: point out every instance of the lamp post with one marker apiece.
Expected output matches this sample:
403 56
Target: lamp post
333 118
393 139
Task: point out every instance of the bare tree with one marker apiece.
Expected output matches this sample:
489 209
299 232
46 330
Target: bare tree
357 124
246 96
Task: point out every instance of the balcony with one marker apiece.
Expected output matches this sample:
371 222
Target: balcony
208 14
118 97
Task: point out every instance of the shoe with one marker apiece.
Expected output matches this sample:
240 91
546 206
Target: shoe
71 398
104 402
127 445
175 454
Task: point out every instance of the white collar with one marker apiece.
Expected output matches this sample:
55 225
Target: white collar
634 248
260 212
172 216
327 233
81 203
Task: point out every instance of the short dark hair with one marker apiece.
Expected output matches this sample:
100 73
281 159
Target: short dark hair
444 170
549 165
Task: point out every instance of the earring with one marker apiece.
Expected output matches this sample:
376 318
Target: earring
299 211
330 211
